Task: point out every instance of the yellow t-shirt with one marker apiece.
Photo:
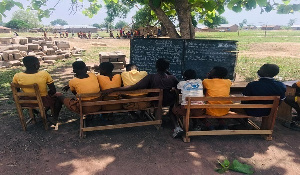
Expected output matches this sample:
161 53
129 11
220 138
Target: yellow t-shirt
85 85
42 78
132 77
106 83
217 88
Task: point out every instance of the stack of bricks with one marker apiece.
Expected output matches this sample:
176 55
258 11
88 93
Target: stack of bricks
116 58
12 50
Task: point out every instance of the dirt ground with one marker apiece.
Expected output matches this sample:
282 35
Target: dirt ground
140 150
272 49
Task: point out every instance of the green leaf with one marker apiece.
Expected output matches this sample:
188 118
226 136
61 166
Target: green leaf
226 163
156 3
232 3
237 8
20 5
261 3
220 170
239 167
221 9
286 2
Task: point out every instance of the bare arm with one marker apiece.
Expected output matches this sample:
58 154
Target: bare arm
143 84
52 89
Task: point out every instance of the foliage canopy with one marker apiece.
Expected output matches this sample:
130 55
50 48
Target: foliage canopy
185 11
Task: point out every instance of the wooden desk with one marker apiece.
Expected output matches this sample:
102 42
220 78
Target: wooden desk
238 87
284 112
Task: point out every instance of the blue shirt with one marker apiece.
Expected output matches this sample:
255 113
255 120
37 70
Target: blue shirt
264 87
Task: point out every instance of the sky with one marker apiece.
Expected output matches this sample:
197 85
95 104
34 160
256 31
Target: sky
253 17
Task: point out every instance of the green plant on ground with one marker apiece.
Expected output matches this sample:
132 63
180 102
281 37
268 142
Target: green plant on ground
234 166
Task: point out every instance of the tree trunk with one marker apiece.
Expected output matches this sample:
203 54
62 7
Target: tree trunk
163 30
170 27
187 30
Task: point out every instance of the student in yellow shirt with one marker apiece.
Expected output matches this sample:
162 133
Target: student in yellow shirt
43 79
82 83
217 86
132 75
106 81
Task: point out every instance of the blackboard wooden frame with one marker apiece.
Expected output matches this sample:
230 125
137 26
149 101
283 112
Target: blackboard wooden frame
184 54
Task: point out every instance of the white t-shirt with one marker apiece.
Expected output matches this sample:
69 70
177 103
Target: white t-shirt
191 88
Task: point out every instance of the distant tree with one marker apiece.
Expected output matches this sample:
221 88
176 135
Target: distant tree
292 22
17 24
144 17
116 9
97 25
59 22
29 17
120 24
244 22
215 21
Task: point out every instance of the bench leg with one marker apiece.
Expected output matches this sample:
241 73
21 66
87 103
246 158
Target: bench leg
186 139
32 115
82 125
268 137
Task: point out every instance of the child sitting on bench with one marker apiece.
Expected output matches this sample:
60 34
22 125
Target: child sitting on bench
160 80
265 86
43 79
217 86
106 81
82 83
191 87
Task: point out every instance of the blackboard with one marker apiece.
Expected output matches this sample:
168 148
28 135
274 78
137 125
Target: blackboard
145 52
200 55
203 55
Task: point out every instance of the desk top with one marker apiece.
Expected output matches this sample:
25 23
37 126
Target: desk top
289 83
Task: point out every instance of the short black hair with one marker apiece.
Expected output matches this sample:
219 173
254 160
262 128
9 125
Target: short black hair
268 70
107 67
79 65
190 74
129 67
29 61
162 65
220 72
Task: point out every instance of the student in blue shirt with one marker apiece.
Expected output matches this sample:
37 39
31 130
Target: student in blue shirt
265 86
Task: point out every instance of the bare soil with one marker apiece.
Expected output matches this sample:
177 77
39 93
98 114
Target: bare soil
140 150
272 49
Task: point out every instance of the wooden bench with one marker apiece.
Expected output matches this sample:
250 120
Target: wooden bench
154 97
267 124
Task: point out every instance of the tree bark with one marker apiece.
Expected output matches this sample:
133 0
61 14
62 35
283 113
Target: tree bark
170 27
183 9
163 30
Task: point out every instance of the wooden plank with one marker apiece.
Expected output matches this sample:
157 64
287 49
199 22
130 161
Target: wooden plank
126 125
228 132
28 101
141 91
242 98
230 106
118 111
120 101
228 116
25 94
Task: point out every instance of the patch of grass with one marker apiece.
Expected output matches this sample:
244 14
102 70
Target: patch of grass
248 66
6 77
253 36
